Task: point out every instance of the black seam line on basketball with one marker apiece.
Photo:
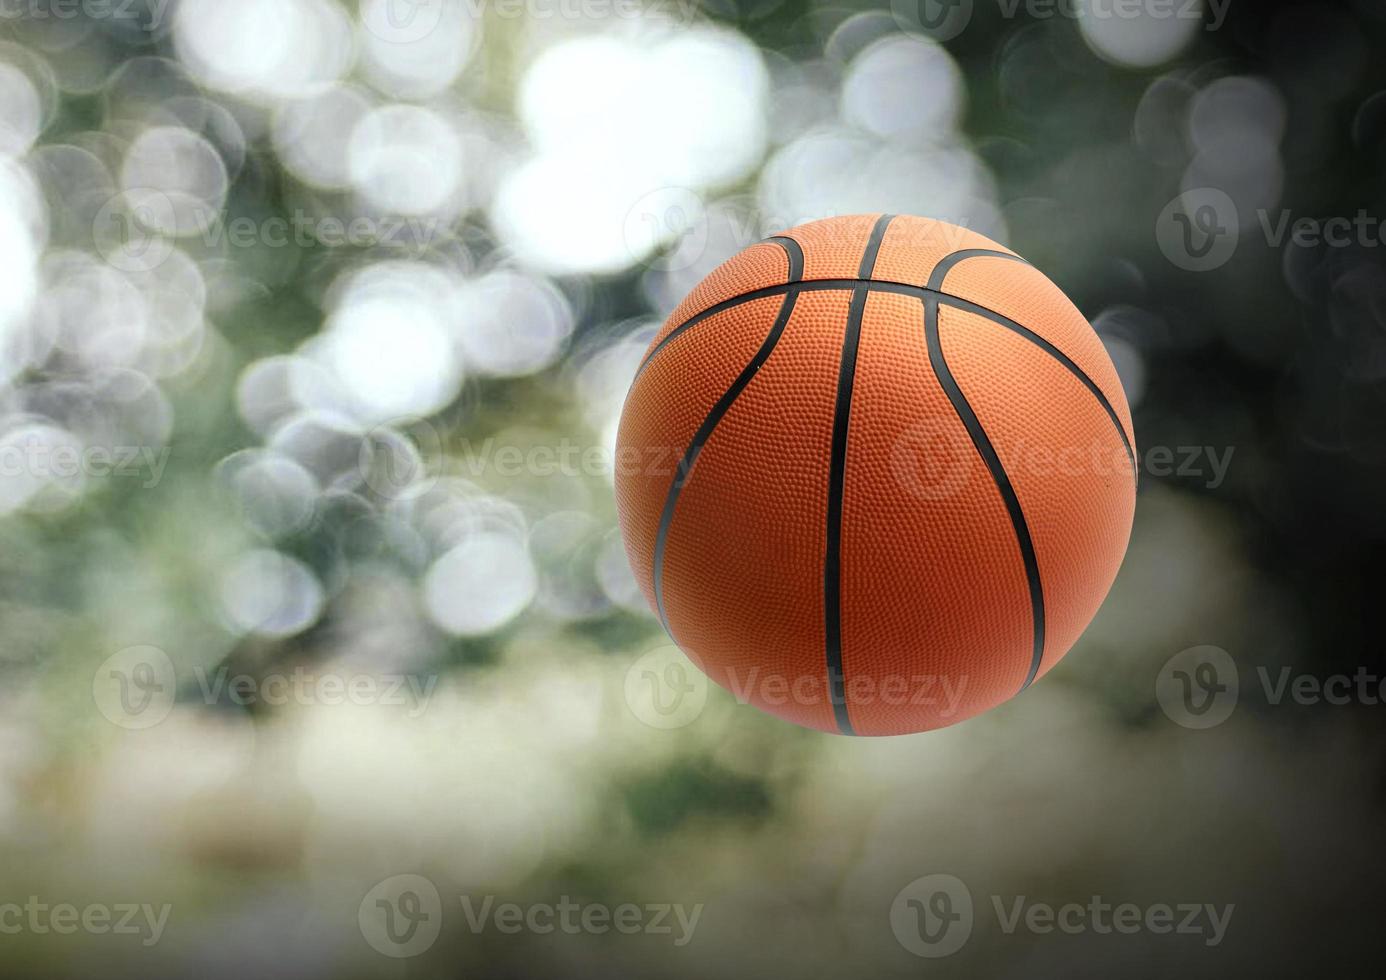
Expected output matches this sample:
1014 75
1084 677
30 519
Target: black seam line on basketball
909 289
837 473
1054 352
945 264
695 447
795 256
998 474
873 246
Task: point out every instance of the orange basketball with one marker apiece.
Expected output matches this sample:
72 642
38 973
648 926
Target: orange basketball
876 474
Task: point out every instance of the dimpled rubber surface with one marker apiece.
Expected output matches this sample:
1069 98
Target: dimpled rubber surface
933 581
664 408
753 268
913 248
1023 293
946 552
1065 460
743 578
833 248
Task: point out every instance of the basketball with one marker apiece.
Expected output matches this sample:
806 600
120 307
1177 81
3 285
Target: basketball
875 475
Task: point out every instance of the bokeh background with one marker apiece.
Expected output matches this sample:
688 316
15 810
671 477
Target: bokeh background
315 323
